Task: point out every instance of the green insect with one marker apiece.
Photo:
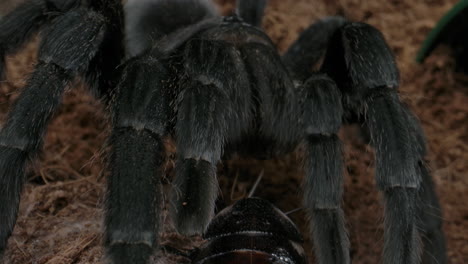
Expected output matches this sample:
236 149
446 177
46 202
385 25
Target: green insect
451 30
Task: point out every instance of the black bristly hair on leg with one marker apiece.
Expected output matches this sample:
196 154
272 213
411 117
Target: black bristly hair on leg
429 215
397 158
20 25
430 220
323 182
134 199
134 195
364 68
104 71
211 110
307 51
21 136
32 16
277 101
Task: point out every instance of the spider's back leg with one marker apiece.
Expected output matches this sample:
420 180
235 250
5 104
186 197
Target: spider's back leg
18 26
362 64
310 113
308 50
430 213
67 49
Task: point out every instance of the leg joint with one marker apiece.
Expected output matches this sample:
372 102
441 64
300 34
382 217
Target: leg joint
73 40
322 107
132 238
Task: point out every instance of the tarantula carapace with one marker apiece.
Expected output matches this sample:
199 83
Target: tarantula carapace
215 83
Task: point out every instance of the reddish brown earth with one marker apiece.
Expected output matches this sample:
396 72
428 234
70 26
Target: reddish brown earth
60 220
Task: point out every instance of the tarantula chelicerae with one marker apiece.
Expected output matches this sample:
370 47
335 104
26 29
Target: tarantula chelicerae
217 84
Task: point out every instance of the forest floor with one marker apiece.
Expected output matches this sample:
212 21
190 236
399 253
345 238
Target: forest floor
61 215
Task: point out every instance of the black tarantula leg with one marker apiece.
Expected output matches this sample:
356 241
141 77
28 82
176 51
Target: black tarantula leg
322 117
209 111
134 196
74 37
396 172
430 221
199 143
364 68
430 213
18 26
308 50
251 11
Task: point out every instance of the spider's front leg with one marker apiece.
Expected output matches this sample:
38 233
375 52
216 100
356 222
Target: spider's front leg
363 66
78 36
211 111
141 115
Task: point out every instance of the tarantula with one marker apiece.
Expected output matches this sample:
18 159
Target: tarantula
217 85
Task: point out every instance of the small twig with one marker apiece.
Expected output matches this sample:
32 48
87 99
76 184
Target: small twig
293 211
22 251
60 155
254 187
43 176
234 184
65 169
87 178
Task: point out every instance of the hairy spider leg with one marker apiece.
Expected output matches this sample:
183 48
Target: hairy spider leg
430 213
274 95
141 116
317 105
65 51
310 113
307 52
18 26
322 116
430 220
310 47
363 66
251 11
323 185
212 108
